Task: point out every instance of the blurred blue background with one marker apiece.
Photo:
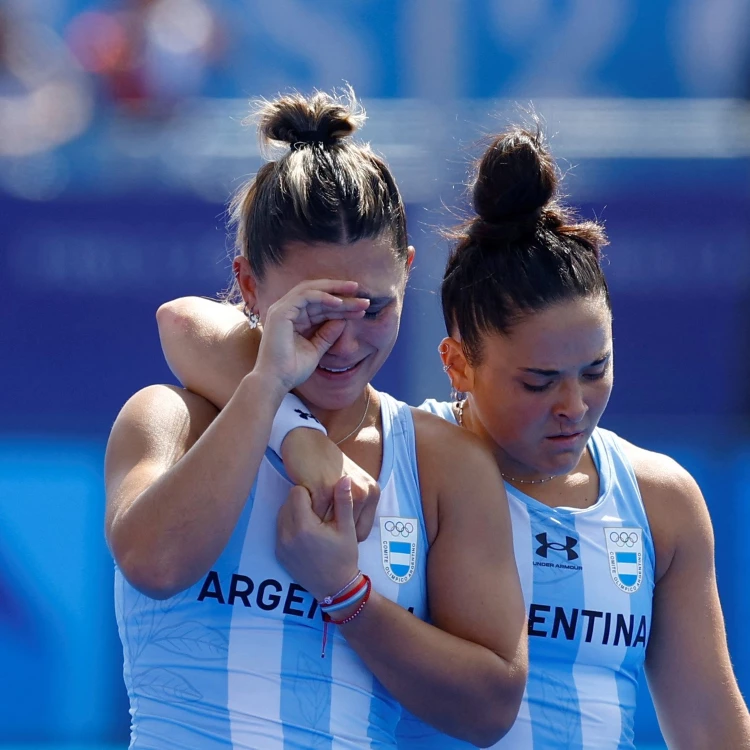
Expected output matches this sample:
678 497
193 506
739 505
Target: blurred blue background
121 139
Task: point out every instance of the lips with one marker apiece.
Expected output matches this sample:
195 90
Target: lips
566 439
339 374
337 369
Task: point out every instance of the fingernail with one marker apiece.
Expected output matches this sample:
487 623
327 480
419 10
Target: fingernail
347 484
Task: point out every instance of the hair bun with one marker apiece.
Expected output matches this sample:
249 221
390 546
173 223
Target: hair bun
506 231
516 179
297 120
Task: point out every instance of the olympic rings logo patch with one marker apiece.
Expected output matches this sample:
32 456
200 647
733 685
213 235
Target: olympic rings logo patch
398 545
399 528
624 539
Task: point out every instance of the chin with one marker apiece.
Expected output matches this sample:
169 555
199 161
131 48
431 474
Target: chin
565 463
329 399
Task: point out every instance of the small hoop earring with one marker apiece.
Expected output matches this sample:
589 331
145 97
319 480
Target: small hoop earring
447 367
253 319
443 349
457 395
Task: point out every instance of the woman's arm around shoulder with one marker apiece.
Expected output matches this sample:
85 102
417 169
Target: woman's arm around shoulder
689 671
474 588
471 552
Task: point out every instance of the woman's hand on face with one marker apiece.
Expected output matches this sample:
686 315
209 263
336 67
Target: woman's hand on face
320 555
302 325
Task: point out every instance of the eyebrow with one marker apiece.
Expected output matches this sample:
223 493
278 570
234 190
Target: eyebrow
551 373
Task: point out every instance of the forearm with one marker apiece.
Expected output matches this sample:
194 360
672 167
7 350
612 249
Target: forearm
734 733
719 719
459 687
173 531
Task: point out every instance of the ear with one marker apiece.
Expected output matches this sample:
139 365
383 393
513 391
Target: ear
246 281
459 371
410 252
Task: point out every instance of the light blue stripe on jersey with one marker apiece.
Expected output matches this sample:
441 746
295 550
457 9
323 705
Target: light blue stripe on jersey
305 693
305 710
162 691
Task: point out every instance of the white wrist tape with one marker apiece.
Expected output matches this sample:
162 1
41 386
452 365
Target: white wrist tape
291 414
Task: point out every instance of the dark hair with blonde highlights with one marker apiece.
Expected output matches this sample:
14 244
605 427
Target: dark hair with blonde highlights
523 251
325 188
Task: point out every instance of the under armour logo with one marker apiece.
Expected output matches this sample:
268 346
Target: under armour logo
570 542
306 415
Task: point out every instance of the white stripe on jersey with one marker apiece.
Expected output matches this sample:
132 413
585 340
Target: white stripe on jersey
596 685
256 651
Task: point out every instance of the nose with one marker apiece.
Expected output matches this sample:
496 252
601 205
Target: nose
571 406
347 344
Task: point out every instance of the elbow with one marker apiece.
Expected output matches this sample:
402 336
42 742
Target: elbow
499 706
155 582
173 317
151 576
176 327
494 726
497 729
154 587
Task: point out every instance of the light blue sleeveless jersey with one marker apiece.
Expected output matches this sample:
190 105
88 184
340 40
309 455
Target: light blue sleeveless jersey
588 578
235 661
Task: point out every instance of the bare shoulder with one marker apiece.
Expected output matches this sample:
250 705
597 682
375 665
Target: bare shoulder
674 503
449 446
159 423
457 472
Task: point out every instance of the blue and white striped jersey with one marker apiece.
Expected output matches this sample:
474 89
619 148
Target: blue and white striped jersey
235 660
588 578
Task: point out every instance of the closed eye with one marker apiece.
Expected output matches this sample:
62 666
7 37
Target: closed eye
536 388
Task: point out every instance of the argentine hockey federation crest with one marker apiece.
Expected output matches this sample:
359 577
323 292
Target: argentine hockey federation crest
625 553
398 541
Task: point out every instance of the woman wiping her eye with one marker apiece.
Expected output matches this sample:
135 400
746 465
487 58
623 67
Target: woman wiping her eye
246 620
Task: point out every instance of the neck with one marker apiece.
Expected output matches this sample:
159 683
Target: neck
343 424
517 473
